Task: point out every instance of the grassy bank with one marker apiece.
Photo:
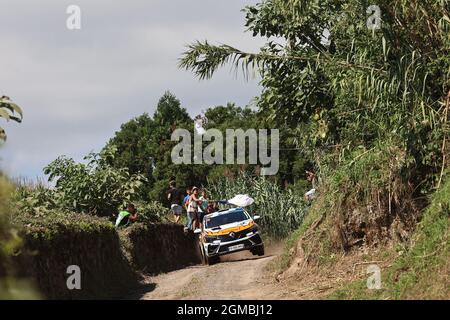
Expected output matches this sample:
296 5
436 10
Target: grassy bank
415 268
111 262
420 268
59 240
156 248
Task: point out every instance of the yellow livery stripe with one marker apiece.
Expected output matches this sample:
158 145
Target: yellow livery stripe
233 229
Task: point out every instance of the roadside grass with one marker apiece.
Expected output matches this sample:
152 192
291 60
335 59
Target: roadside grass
419 270
281 263
313 213
416 269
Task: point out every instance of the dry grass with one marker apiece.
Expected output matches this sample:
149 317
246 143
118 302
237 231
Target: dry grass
414 269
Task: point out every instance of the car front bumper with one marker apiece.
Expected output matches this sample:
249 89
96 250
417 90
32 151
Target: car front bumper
222 248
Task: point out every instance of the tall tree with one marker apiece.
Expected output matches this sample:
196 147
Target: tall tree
337 78
144 146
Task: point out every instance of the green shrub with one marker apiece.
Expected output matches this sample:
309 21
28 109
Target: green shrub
9 239
152 211
34 198
95 187
10 286
34 202
422 271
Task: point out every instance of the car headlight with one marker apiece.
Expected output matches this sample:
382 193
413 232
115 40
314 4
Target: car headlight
210 239
251 231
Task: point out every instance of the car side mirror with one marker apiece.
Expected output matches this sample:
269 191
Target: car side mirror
256 217
197 231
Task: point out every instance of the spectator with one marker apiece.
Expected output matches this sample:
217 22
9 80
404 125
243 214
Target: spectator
185 206
192 210
203 206
175 198
127 216
311 194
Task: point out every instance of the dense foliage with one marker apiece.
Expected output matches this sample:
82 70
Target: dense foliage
338 85
8 236
368 106
144 146
95 187
10 244
281 211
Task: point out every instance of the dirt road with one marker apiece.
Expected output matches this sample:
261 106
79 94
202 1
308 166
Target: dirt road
237 276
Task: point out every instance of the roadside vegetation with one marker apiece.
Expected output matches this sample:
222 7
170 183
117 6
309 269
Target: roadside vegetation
10 241
419 268
281 211
368 107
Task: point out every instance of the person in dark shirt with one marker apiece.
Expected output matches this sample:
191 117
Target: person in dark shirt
175 197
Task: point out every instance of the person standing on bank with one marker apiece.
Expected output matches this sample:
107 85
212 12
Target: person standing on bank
203 207
192 210
175 197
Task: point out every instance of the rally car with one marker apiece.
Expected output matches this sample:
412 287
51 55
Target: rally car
229 231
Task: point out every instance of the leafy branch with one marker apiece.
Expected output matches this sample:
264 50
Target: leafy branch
204 59
9 111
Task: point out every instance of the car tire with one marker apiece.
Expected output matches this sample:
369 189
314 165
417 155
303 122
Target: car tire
259 250
213 260
203 255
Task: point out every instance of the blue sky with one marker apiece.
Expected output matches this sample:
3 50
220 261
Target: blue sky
78 87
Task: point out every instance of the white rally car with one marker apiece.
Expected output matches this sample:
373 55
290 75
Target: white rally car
229 231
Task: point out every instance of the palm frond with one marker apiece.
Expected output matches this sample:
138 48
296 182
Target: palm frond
204 59
2 134
9 111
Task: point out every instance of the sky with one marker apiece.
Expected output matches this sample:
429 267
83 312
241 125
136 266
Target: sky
77 87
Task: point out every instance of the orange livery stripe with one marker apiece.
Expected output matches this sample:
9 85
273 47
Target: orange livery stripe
233 229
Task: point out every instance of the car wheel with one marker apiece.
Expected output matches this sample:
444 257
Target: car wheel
213 260
259 250
204 257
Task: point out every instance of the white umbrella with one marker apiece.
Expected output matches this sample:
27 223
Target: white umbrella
241 200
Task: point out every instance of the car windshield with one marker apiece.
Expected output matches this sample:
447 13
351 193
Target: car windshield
235 216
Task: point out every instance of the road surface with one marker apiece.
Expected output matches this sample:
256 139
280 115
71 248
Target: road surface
237 276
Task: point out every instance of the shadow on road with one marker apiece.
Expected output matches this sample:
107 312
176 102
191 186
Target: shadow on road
231 259
141 291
